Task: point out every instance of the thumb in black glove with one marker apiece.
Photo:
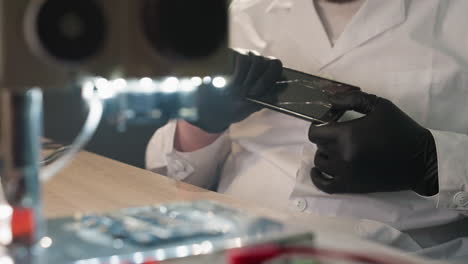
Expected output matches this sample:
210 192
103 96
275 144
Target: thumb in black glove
383 151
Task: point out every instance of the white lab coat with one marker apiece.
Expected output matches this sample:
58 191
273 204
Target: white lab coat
412 52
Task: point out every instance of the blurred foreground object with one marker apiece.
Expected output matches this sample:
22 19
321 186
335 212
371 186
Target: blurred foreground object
200 232
55 44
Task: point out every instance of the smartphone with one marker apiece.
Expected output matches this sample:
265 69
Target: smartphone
304 96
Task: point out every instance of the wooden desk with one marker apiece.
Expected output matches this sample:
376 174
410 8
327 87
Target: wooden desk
92 183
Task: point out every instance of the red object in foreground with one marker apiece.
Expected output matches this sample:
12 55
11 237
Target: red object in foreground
151 262
263 253
22 224
253 255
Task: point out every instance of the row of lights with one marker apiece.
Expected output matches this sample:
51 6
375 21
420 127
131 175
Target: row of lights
204 247
107 89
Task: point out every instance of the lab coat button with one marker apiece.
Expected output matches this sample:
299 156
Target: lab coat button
461 199
300 204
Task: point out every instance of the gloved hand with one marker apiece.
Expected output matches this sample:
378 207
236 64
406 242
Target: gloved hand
384 151
218 108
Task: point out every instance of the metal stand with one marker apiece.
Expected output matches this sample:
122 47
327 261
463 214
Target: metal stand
21 129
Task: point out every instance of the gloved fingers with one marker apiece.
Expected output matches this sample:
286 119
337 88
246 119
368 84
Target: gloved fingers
327 163
324 135
205 93
273 71
322 160
256 70
331 149
242 66
326 182
358 101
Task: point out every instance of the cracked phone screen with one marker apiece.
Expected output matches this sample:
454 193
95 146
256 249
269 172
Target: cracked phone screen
304 96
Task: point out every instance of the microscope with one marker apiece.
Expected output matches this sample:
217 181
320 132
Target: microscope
131 56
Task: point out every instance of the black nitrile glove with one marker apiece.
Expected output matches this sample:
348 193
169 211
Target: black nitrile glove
384 151
218 108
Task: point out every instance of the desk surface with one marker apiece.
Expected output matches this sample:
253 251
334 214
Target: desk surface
92 183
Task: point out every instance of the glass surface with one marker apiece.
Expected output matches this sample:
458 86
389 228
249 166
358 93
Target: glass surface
304 96
169 231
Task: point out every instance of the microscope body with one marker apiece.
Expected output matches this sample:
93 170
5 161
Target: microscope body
57 44
48 43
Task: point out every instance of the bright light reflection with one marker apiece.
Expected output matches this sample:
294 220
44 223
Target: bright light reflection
207 247
119 84
5 233
207 80
160 254
106 93
170 85
219 82
5 211
242 51
92 261
88 90
145 85
6 260
254 52
197 81
238 242
182 251
196 249
187 112
102 83
114 260
187 86
46 242
163 209
104 89
138 257
146 81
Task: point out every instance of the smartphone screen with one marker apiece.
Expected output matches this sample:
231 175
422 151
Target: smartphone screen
304 96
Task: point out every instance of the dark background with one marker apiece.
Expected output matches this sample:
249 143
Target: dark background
64 114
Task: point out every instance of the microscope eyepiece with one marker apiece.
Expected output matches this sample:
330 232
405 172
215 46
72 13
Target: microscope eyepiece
70 31
185 29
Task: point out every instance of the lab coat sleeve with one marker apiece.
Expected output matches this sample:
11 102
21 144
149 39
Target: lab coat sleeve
452 148
452 156
200 168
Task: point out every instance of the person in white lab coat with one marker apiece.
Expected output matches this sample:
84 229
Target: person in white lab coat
414 54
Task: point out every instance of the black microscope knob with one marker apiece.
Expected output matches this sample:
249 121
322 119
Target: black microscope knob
185 29
71 30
